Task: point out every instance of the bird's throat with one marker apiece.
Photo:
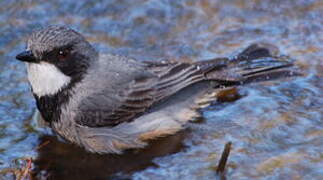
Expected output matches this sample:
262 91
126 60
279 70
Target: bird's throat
45 79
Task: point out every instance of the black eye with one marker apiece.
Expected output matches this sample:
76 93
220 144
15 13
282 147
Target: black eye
62 54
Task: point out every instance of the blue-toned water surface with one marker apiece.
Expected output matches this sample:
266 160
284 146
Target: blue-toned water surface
275 127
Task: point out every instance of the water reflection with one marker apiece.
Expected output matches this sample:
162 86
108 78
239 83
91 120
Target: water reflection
58 160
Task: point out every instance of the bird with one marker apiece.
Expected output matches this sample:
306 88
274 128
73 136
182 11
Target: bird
109 103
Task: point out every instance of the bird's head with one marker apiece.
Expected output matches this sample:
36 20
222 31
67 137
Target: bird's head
56 56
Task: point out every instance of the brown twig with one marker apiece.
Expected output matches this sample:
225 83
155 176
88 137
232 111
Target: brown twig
42 145
20 173
25 172
220 171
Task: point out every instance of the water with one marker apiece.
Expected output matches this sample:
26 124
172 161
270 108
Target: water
275 127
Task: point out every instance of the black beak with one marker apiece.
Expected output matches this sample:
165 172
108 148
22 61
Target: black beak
26 56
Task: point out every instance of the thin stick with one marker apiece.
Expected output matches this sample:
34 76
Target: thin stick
224 158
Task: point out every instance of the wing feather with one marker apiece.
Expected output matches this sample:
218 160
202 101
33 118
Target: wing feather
143 91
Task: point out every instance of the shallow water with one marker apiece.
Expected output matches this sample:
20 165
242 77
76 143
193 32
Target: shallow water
275 127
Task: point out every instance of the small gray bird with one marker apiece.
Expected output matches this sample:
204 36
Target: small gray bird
107 103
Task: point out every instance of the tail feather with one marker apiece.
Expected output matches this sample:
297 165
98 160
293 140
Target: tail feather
262 67
254 64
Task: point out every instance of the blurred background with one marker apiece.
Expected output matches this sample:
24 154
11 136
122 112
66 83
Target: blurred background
275 127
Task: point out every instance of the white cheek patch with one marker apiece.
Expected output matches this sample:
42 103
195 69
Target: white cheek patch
46 79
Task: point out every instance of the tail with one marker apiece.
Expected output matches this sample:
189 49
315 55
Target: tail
258 62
